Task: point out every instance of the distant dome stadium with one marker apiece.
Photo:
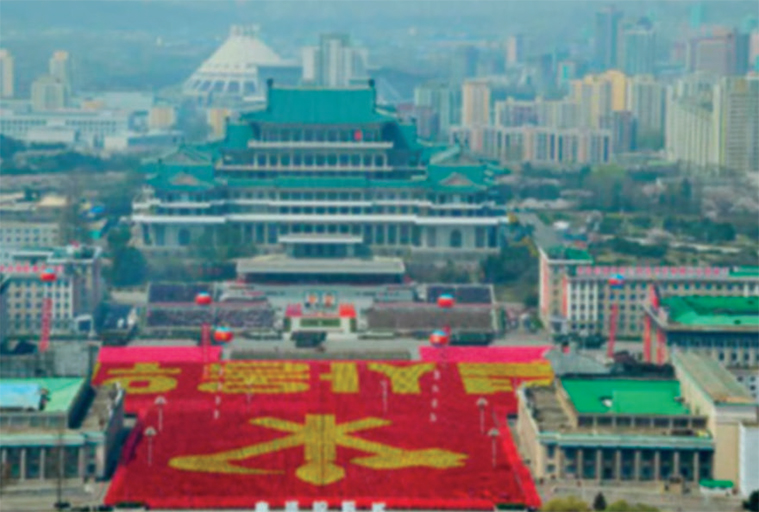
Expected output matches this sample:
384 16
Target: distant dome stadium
238 69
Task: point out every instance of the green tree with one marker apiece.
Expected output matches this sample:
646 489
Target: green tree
128 265
513 263
568 504
623 506
599 503
531 300
752 503
227 244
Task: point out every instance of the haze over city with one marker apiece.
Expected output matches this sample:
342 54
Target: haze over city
379 255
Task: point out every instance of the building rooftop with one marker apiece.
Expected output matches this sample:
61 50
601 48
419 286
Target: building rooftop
745 272
278 264
625 396
319 105
559 252
718 383
61 392
703 311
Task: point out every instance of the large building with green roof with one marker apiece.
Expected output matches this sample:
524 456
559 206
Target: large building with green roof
699 426
723 328
58 428
606 428
317 161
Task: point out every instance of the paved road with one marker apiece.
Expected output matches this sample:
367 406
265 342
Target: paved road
542 234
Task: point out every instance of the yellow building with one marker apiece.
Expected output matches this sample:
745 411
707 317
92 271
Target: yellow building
93 105
599 96
161 118
217 120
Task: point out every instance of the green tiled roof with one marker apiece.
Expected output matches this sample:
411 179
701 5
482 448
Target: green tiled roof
62 391
702 311
624 396
560 252
294 183
238 135
745 272
193 178
316 105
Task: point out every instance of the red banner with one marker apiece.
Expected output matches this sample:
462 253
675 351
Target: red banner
409 435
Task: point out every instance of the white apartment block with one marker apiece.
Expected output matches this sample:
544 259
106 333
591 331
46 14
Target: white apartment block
76 292
539 145
714 126
90 127
16 234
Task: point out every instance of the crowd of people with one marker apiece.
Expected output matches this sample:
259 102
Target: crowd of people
161 293
409 317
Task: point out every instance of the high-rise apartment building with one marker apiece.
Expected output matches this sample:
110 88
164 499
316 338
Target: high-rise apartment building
607 37
440 98
6 74
48 93
595 99
561 114
515 50
735 108
714 125
646 99
475 103
715 54
599 95
639 49
539 144
623 128
60 69
335 62
475 110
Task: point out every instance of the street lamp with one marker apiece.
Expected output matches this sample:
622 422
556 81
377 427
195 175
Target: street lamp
494 435
204 299
150 433
384 396
481 404
160 401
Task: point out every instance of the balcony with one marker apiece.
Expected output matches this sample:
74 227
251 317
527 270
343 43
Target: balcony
319 144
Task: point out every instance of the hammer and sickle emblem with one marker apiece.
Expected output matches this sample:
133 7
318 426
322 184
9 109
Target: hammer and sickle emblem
320 436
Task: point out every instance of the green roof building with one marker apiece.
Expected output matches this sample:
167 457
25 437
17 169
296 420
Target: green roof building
601 428
724 328
318 161
58 426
